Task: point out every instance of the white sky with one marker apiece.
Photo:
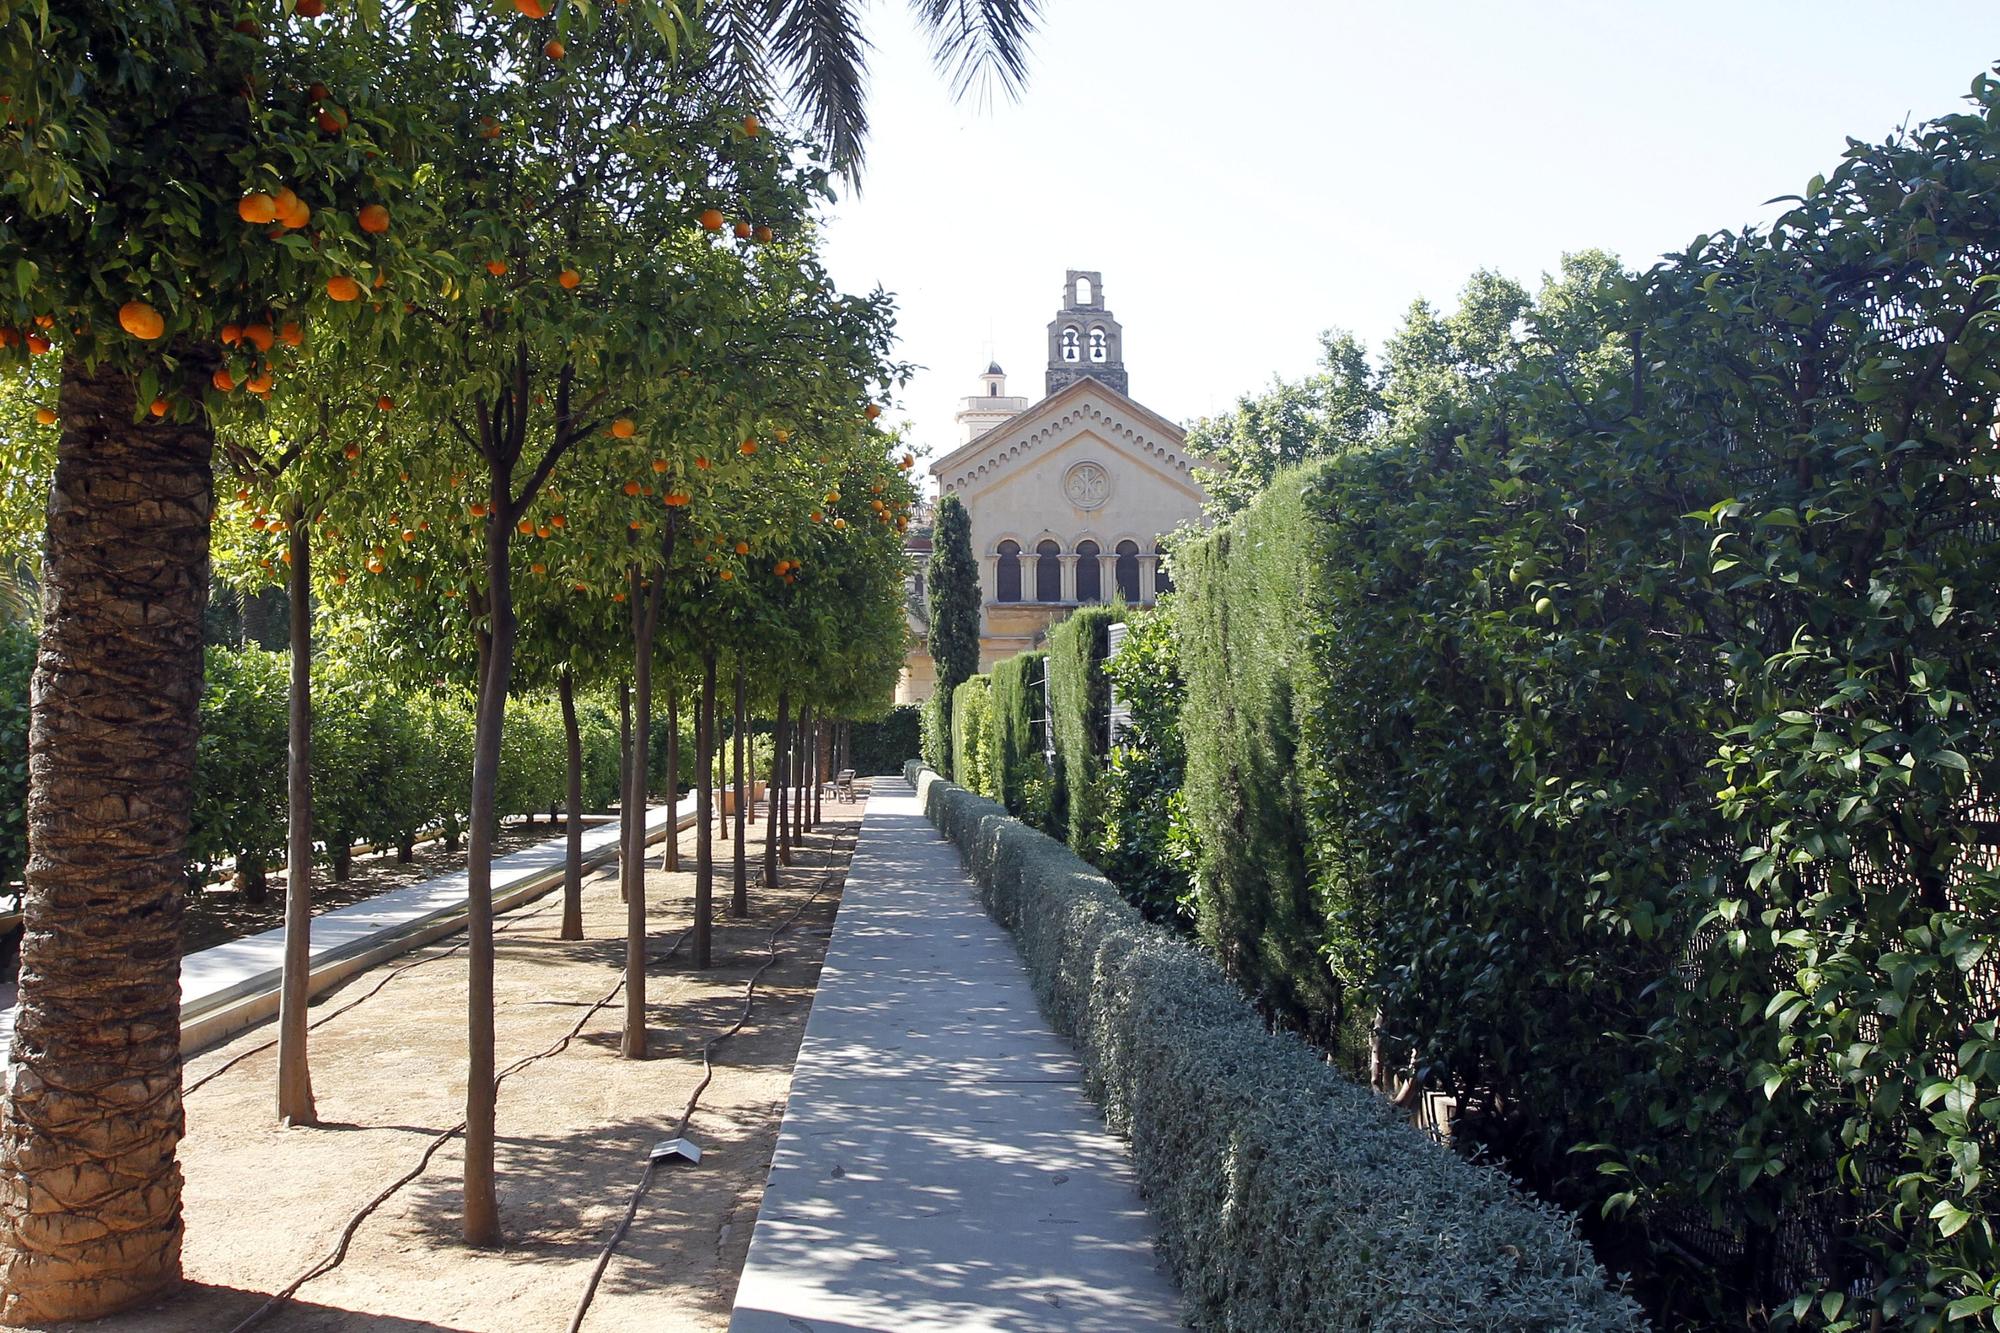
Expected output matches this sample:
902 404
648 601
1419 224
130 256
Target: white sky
1246 175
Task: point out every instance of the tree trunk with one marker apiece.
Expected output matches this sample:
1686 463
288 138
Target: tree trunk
572 911
672 861
482 1203
822 743
774 819
624 787
739 899
90 1210
295 1091
704 845
645 602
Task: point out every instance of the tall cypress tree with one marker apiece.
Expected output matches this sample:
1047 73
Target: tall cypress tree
952 583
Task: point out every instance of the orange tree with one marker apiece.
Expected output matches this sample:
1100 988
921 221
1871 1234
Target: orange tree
164 171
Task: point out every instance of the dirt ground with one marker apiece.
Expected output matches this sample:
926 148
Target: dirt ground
264 1203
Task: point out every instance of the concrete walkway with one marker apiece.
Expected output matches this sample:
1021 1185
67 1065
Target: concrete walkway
939 1167
235 984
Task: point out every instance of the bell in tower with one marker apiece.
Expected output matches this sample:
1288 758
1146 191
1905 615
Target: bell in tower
1084 339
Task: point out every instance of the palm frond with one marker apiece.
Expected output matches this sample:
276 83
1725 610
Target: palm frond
975 42
819 46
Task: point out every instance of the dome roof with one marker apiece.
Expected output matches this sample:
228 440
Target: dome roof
993 368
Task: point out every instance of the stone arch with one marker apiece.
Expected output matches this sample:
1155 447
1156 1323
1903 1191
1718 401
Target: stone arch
1089 571
1126 572
1048 570
1007 571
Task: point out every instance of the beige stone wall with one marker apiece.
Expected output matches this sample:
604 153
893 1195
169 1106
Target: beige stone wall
919 677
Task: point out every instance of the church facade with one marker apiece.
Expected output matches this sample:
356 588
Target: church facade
1068 497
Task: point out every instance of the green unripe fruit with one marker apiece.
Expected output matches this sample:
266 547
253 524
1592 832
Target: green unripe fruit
1544 606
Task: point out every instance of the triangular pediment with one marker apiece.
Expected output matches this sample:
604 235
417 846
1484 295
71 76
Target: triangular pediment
1085 409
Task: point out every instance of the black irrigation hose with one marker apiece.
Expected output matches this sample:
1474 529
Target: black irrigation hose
338 1254
687 1111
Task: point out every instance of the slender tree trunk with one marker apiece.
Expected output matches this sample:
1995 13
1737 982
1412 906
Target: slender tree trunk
624 788
803 794
822 743
482 1203
645 599
704 859
295 1090
90 1193
785 800
572 912
673 856
739 900
774 820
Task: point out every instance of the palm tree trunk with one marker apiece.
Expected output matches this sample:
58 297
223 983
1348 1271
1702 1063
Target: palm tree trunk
572 912
739 899
90 1192
295 1090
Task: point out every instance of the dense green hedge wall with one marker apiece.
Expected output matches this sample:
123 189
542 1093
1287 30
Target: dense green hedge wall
889 742
1289 1199
1148 848
1622 730
975 760
1249 604
1079 696
1026 787
387 763
17 665
937 730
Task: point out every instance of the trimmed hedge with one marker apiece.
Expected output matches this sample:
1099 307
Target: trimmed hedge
1148 847
889 742
1079 698
1026 786
974 742
1289 1199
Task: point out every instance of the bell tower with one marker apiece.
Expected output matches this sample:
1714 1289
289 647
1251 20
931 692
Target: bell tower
1084 339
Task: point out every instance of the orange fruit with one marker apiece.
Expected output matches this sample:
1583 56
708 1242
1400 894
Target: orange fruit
840 522
45 415
352 451
782 436
496 266
631 488
747 448
538 568
815 516
711 219
222 380
385 404
872 411
726 576
292 210
331 121
37 344
554 49
318 92
340 578
291 335
310 9
141 320
489 128
259 336
751 125
534 9
764 235
569 278
659 465
743 548
701 463
45 321
374 219
542 532
742 231
158 407
526 527
374 566
623 428
476 510
343 288
259 383
232 334
557 520
258 208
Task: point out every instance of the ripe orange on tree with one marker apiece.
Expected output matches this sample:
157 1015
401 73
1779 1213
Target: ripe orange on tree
534 9
554 49
343 288
374 219
748 447
872 411
222 379
385 404
259 336
751 124
623 428
257 208
764 235
158 407
45 415
569 278
496 267
141 320
291 335
742 231
711 219
293 212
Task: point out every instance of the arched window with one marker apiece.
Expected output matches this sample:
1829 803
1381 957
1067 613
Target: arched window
1007 574
1128 572
1099 347
1082 291
1048 572
1162 581
992 390
1089 573
1071 344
